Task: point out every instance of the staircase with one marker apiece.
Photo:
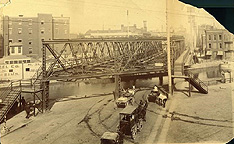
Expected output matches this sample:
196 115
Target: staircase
8 96
197 83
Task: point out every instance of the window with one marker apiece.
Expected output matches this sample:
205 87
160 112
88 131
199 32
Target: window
19 40
42 21
24 61
209 37
10 31
11 62
19 49
209 45
220 45
28 61
30 31
214 37
10 70
20 61
20 21
30 50
13 50
7 62
30 22
27 69
19 30
30 42
15 62
10 40
42 39
42 31
220 37
65 31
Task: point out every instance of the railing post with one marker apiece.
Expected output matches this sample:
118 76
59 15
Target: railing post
20 86
11 85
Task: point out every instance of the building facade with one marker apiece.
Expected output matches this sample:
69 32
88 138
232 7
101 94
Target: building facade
218 43
125 31
31 31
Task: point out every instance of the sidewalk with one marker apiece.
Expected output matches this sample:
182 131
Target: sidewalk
201 117
15 123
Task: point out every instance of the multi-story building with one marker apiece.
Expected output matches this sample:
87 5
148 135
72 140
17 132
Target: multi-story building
125 31
218 43
200 40
31 31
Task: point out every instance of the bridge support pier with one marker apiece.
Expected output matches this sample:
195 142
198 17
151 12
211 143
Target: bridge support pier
160 80
45 95
117 86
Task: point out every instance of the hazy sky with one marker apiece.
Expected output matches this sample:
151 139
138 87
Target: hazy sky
99 14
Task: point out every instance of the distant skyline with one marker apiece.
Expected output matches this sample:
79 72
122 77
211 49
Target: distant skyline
110 14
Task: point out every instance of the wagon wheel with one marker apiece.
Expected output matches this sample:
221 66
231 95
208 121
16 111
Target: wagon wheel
134 132
140 125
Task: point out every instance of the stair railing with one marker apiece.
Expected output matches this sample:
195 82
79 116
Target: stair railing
5 91
197 80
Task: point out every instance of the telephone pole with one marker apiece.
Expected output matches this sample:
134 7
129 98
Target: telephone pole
168 49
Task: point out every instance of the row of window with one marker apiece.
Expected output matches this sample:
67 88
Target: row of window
214 45
30 50
20 41
215 37
17 61
19 50
26 69
30 21
30 31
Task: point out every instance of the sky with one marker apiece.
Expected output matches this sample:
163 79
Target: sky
109 14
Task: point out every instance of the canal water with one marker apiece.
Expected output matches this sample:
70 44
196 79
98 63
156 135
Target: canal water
59 90
79 89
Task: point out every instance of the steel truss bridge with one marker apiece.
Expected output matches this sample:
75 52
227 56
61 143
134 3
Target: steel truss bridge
97 58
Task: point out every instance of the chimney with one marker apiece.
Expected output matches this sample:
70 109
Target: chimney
145 26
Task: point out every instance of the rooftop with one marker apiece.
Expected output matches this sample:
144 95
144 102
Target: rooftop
109 135
128 110
17 57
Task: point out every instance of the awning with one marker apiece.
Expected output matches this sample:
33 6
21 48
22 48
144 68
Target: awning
220 53
209 53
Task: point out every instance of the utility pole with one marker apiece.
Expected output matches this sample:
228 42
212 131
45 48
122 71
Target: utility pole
127 23
168 49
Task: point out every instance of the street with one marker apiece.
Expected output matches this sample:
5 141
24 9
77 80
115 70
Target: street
200 118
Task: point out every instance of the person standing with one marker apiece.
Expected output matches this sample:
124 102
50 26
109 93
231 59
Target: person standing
27 110
23 102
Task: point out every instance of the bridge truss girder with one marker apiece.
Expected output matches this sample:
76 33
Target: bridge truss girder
86 58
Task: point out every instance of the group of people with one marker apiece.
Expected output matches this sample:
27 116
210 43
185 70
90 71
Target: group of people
23 106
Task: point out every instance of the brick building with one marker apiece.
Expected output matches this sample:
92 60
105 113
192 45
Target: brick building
219 43
30 31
